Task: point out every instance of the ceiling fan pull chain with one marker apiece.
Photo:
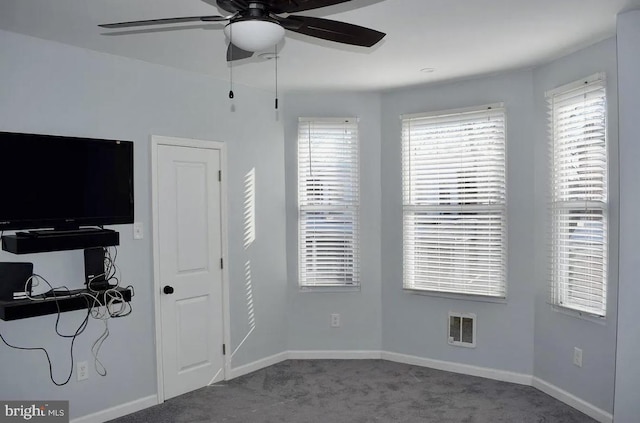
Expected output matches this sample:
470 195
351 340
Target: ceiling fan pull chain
231 63
276 59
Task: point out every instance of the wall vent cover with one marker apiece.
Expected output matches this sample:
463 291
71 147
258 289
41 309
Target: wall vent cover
462 329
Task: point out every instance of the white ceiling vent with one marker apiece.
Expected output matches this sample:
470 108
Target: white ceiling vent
462 329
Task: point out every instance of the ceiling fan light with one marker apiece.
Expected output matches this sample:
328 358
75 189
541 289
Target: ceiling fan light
254 35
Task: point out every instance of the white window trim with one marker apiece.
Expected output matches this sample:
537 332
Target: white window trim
453 112
576 85
355 208
557 297
502 207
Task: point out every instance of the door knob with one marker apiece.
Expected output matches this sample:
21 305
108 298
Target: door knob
168 289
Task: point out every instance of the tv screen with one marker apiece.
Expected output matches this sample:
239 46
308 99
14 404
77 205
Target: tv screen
64 182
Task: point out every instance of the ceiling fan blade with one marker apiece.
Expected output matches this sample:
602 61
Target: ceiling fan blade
236 53
291 6
164 21
232 5
326 29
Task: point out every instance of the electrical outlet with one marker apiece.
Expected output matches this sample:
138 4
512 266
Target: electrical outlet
83 370
138 230
577 357
335 320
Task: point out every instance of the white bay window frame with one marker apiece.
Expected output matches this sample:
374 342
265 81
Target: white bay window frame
328 203
454 201
579 195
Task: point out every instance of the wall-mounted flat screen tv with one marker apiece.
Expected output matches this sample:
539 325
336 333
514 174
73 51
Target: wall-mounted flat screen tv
64 183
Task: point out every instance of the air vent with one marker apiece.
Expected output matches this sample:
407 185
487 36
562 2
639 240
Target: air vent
462 329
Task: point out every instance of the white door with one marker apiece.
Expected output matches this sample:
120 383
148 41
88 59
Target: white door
189 247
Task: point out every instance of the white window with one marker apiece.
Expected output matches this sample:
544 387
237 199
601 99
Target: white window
328 202
579 195
454 190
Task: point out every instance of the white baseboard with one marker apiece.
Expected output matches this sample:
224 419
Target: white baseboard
489 373
573 401
256 365
334 355
300 355
118 410
467 369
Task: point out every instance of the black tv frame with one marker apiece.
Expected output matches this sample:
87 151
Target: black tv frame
69 223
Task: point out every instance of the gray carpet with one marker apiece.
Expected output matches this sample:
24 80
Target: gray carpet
359 391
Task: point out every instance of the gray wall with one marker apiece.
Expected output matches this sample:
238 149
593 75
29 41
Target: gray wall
557 333
417 324
52 88
308 312
627 406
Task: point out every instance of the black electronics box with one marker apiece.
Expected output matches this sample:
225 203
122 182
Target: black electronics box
25 243
13 278
94 270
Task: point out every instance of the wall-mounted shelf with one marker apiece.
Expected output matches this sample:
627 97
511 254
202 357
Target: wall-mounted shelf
27 242
22 309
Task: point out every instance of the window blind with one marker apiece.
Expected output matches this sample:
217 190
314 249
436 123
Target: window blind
328 201
454 195
579 196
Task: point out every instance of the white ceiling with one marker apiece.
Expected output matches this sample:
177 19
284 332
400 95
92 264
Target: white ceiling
458 38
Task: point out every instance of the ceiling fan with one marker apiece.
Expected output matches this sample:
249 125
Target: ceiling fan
255 25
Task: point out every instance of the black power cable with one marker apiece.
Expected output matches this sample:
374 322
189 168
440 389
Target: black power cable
111 296
73 337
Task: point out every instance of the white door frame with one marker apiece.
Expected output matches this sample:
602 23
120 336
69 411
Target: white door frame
157 141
